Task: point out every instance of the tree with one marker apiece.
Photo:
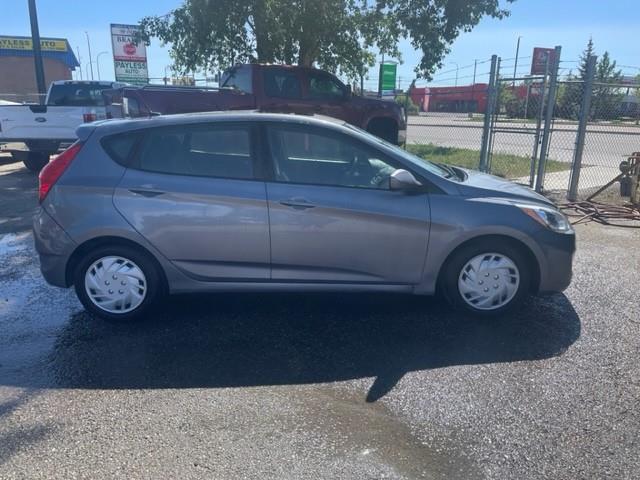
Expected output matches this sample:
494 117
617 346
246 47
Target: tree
337 35
570 101
606 97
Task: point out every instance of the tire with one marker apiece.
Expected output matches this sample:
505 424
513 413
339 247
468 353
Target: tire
498 263
135 296
36 161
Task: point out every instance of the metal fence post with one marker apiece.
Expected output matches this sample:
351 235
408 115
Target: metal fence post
551 102
585 108
484 148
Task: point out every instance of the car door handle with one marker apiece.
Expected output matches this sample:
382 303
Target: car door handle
297 203
146 193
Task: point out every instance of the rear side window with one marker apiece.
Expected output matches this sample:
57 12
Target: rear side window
198 150
238 78
120 147
282 83
77 95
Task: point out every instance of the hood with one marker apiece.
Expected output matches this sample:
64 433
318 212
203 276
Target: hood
483 184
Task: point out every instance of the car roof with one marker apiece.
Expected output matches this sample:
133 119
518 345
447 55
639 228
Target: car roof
106 127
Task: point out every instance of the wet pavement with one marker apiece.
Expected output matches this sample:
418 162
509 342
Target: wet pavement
323 386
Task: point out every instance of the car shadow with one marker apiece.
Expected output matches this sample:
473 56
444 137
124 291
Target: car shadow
235 340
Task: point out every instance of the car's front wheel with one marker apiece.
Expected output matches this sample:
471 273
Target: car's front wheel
487 278
118 283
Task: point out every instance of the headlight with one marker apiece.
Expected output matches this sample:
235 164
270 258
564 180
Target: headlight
548 217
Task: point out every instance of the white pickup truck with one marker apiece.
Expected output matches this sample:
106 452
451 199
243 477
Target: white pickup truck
42 129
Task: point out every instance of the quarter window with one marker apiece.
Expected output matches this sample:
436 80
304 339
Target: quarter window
201 150
326 158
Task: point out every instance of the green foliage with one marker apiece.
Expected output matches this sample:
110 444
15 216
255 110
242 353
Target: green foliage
406 101
605 99
337 35
503 165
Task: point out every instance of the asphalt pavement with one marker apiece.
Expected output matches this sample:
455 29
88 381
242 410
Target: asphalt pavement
320 386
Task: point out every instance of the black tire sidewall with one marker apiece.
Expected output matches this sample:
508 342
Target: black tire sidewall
36 161
454 266
142 260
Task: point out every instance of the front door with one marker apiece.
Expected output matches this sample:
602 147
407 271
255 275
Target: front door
333 218
191 193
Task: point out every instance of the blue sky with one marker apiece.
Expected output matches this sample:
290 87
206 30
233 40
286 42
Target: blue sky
544 23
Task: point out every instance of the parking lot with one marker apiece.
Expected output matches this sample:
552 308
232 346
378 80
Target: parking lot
319 386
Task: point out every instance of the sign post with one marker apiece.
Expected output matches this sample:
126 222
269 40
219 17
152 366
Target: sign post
129 56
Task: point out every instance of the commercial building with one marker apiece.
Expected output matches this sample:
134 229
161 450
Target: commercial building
17 71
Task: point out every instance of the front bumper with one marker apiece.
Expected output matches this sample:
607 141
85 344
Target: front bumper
402 137
556 270
54 248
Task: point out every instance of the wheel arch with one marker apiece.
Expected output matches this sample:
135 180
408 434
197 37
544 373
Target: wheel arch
532 260
109 240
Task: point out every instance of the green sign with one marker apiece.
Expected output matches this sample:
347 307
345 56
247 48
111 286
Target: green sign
388 76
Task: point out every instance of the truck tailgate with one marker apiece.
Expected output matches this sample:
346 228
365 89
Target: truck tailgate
40 122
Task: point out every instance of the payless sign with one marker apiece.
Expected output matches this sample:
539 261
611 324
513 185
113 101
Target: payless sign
129 57
46 44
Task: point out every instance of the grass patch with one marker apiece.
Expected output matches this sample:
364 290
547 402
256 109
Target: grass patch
503 165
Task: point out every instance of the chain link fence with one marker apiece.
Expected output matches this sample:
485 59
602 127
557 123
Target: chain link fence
561 136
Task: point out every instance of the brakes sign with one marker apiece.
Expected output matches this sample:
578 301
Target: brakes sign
129 56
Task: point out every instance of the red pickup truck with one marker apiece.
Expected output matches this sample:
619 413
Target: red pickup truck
269 88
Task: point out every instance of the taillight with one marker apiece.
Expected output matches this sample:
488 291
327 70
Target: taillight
50 174
89 117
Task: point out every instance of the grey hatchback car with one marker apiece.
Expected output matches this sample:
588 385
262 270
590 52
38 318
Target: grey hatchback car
248 201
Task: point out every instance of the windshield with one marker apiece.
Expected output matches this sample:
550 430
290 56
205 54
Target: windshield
419 162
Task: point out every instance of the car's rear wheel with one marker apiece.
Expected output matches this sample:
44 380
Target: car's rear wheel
487 278
118 283
36 161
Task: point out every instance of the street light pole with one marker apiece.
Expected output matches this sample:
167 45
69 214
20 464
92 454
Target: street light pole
79 62
515 66
98 62
90 60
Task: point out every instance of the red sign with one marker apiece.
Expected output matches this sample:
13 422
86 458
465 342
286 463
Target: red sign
541 58
129 49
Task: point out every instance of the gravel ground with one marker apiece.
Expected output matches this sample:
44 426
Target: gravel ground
320 386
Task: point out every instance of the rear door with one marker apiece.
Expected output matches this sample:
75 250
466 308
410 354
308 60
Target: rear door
191 191
282 89
333 217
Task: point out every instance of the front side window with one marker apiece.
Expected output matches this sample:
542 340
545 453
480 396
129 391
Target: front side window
281 83
200 150
325 87
313 156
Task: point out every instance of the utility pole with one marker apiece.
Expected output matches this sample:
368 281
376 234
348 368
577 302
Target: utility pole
515 66
90 60
456 72
37 52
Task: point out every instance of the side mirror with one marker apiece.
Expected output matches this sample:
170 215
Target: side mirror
403 180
